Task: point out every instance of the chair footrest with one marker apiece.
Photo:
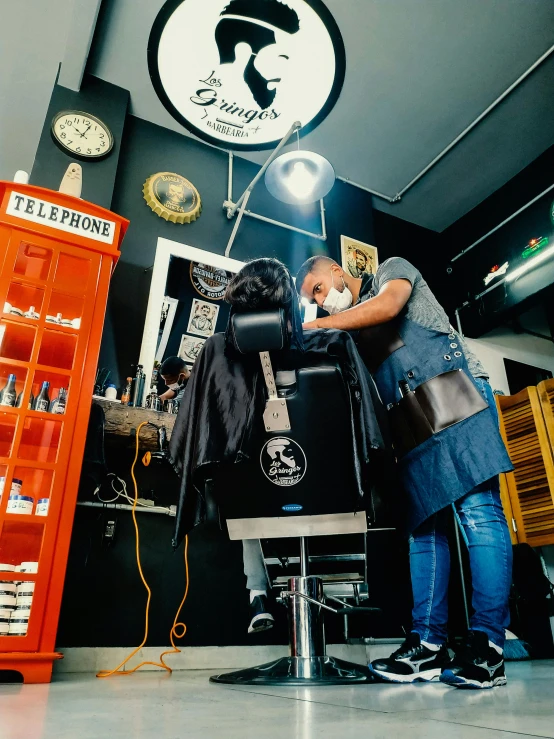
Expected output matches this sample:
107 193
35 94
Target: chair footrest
357 609
348 577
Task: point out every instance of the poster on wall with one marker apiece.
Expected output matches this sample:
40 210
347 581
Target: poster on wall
358 258
209 281
250 70
203 318
190 348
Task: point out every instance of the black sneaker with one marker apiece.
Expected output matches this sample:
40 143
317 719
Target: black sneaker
476 665
261 618
413 661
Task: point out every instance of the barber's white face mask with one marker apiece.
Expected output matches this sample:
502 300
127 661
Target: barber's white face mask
337 301
174 386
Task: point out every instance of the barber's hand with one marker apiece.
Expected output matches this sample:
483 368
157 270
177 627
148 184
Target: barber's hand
312 324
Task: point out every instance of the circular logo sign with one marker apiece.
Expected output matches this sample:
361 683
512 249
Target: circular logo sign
552 211
209 281
172 197
238 73
283 461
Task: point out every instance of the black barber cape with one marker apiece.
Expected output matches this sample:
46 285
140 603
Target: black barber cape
221 416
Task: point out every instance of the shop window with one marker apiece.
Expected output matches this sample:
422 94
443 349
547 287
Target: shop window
16 341
7 431
40 439
66 310
57 350
33 261
24 301
72 274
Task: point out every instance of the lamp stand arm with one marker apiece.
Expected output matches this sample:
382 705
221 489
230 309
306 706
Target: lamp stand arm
233 207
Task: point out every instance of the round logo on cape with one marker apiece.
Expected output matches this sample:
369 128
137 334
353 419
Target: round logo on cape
552 211
209 281
238 73
283 461
172 197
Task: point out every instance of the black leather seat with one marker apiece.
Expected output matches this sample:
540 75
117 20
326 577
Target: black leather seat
303 470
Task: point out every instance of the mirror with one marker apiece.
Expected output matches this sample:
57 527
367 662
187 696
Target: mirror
185 304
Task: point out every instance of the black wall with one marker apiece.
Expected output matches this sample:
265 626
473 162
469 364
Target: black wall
466 279
109 103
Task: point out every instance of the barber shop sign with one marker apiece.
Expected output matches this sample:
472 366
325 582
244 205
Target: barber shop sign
238 73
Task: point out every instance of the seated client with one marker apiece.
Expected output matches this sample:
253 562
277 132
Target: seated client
261 285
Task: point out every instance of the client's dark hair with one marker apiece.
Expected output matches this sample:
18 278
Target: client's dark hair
261 284
172 366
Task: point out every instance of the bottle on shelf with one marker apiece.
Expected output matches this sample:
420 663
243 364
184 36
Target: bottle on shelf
138 387
31 313
42 402
20 400
8 396
59 403
152 400
110 393
126 394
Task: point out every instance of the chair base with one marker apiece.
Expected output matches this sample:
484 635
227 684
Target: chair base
300 671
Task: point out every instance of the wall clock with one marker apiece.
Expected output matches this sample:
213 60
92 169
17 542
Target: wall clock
81 134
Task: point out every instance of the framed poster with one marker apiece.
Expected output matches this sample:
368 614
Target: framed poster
190 348
358 258
203 318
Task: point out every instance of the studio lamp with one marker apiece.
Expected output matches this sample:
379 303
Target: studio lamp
299 177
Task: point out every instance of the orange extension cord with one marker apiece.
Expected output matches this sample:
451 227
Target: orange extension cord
178 629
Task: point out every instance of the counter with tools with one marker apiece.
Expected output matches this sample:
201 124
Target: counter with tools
123 420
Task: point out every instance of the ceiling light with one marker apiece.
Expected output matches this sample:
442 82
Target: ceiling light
542 257
299 177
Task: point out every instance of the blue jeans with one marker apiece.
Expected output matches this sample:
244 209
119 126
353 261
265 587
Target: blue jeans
487 537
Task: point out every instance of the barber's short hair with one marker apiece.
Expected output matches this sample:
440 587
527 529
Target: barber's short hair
172 366
309 266
261 284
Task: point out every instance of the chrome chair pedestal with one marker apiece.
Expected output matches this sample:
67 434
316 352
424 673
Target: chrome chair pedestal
308 663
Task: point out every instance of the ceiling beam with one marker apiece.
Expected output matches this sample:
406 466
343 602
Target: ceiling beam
79 40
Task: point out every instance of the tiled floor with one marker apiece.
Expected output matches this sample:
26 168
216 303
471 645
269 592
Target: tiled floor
187 705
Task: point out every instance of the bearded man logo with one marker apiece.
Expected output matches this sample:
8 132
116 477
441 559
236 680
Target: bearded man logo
283 461
255 23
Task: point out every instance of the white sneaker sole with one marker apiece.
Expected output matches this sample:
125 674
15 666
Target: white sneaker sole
426 677
462 682
261 617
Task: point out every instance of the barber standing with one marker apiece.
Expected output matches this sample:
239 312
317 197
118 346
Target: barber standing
449 451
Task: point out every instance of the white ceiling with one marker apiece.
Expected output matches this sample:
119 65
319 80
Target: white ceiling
418 72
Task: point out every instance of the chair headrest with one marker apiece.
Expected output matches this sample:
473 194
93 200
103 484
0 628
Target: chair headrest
262 331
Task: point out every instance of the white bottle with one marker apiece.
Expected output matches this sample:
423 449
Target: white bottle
110 392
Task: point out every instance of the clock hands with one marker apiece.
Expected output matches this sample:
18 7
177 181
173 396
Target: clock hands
82 135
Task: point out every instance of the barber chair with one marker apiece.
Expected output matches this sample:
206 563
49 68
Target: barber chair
299 483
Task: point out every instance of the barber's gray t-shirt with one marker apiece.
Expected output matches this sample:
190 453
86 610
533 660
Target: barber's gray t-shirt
422 306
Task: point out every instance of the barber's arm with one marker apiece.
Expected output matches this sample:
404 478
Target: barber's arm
385 306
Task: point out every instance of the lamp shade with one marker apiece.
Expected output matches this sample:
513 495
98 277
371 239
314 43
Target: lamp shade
299 177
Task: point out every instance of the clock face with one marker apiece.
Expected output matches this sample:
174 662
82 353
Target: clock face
81 134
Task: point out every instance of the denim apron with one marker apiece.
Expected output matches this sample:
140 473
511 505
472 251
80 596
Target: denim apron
453 461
